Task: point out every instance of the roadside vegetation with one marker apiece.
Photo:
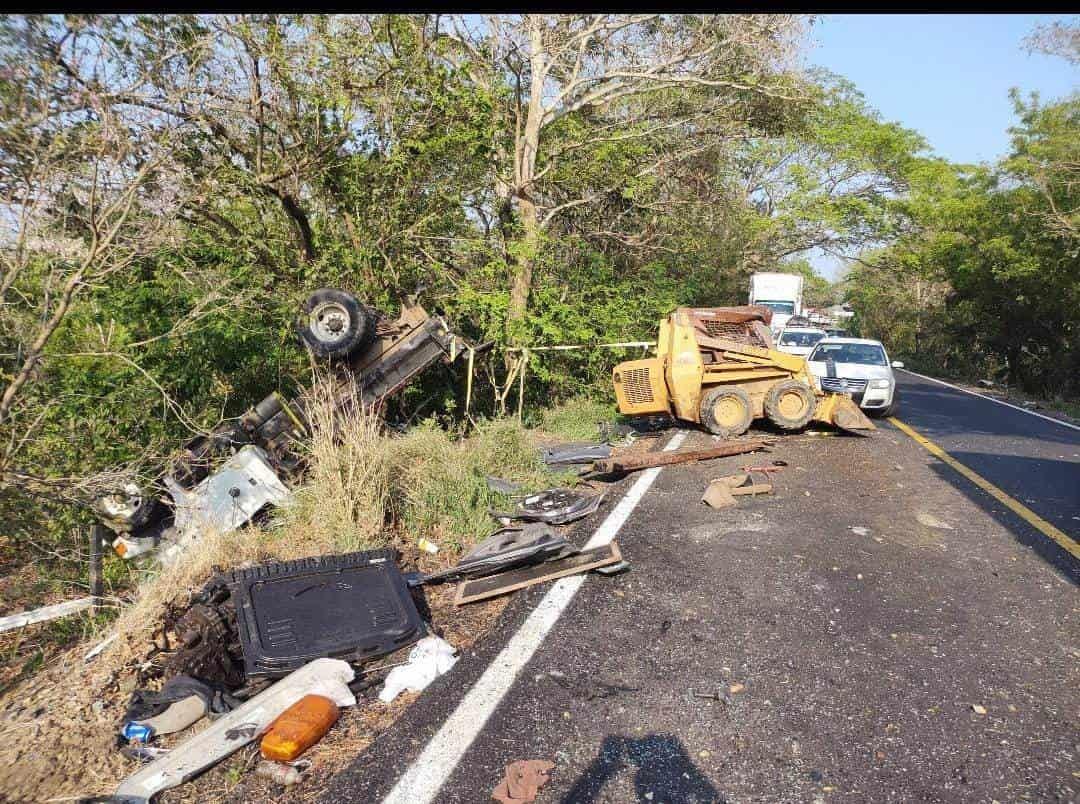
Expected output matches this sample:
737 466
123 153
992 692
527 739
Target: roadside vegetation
174 186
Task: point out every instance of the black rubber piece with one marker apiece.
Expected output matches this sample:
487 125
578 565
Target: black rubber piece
772 406
711 397
354 607
357 335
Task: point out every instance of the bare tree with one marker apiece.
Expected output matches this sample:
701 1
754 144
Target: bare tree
1057 39
641 73
87 187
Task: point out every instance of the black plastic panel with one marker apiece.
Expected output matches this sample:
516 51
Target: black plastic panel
354 607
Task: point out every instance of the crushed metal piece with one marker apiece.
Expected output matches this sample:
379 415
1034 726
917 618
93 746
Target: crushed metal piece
554 506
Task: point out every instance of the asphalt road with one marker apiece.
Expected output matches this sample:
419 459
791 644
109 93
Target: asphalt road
876 633
1035 461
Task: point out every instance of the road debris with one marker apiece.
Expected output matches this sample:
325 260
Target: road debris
427 546
632 463
718 495
45 613
523 780
722 491
298 728
285 775
978 709
495 585
553 506
504 549
429 659
95 651
327 677
577 452
858 530
353 606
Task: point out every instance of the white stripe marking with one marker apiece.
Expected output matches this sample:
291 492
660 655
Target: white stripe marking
423 779
991 399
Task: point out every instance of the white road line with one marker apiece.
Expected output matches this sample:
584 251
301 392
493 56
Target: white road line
991 399
423 779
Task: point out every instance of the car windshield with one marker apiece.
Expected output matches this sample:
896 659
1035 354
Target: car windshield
783 307
801 338
869 354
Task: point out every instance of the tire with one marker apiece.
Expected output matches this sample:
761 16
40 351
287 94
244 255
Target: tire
790 404
335 325
726 411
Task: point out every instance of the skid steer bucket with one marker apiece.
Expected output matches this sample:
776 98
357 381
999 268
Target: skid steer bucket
841 412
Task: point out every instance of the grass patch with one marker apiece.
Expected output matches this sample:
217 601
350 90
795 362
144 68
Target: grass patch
577 419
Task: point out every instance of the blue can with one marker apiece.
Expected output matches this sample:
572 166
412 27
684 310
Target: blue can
137 732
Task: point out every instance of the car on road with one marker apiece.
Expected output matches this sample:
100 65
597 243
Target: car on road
857 366
799 340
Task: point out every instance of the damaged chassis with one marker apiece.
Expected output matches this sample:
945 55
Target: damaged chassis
193 496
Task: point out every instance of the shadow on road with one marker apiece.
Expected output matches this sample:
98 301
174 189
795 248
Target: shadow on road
1025 534
665 772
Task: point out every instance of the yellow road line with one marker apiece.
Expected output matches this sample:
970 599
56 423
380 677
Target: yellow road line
1015 506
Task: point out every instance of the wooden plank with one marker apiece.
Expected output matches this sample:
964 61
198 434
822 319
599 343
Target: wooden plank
504 582
45 614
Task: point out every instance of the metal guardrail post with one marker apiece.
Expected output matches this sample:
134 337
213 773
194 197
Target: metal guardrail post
521 382
97 581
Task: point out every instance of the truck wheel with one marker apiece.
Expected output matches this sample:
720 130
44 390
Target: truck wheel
726 411
335 325
790 404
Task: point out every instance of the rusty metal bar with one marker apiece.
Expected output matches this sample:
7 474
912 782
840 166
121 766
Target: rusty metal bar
632 463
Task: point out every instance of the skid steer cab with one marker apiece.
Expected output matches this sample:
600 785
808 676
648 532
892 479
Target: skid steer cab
224 478
717 367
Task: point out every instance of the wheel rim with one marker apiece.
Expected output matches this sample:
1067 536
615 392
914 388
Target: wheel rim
791 404
329 322
728 411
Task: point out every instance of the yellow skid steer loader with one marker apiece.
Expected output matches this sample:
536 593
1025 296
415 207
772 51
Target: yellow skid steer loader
717 367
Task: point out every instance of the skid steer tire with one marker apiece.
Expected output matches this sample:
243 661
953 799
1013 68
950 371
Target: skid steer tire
790 404
726 411
335 325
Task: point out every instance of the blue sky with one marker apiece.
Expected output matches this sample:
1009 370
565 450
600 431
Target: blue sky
946 76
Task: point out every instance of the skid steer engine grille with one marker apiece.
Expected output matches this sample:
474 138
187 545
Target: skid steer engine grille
636 386
740 333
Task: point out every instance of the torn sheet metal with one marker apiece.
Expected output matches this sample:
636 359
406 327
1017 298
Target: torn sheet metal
504 582
223 501
327 677
575 453
554 506
505 549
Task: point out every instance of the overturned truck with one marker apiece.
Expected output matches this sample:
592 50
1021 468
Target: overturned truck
223 478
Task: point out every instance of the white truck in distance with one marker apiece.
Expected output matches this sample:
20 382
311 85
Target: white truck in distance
782 293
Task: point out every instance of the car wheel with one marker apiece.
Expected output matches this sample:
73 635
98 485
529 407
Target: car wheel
726 411
335 325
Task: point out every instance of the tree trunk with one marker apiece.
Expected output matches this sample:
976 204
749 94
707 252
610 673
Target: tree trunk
525 173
